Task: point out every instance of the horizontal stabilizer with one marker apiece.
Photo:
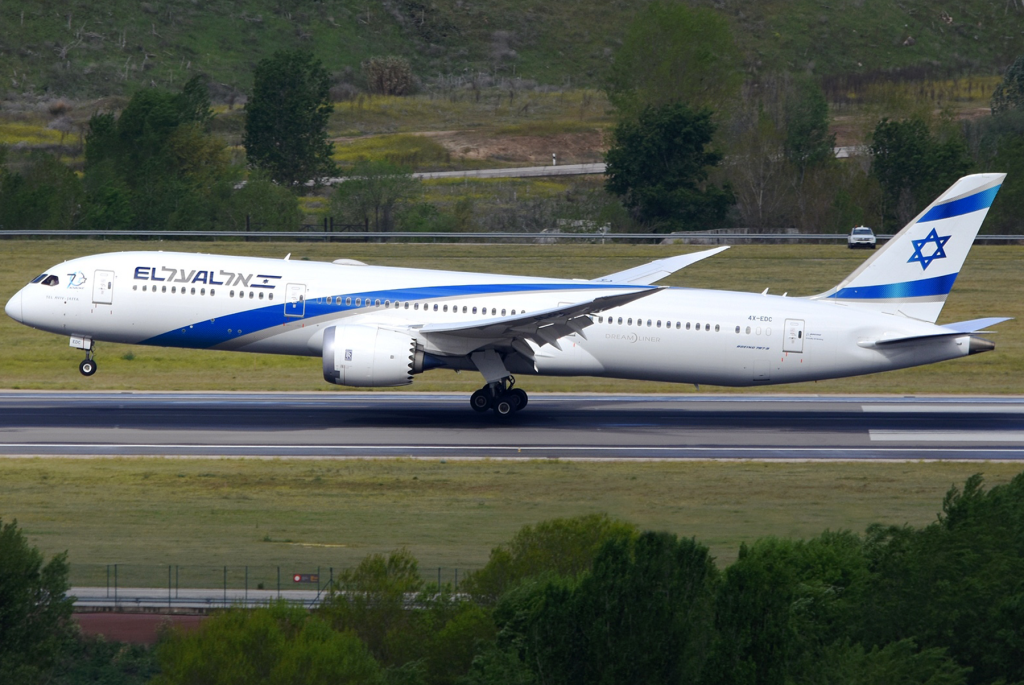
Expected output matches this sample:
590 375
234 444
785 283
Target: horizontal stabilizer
658 269
951 330
976 325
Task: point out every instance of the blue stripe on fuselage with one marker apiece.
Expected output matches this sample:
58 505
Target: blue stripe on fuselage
940 285
964 205
210 333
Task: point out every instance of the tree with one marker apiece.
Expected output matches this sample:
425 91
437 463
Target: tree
388 75
286 119
46 196
278 645
643 614
35 613
566 547
371 192
913 166
1009 95
659 163
269 206
156 166
674 53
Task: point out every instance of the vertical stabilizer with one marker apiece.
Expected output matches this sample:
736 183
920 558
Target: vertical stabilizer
914 272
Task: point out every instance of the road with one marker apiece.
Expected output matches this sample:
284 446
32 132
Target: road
336 425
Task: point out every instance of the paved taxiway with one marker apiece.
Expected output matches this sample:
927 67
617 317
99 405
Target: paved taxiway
330 425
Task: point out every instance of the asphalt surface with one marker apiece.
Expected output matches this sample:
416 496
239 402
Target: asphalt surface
337 425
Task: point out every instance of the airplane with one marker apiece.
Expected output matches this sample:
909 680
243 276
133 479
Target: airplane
378 326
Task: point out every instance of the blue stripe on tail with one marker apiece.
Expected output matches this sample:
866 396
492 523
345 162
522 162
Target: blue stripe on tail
964 205
940 285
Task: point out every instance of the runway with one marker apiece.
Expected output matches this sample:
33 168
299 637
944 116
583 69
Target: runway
442 426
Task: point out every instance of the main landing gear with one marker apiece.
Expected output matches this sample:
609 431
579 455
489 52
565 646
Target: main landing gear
88 365
502 397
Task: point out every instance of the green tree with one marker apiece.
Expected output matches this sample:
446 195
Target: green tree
997 145
565 547
371 602
286 119
47 195
955 584
156 166
659 165
644 614
279 645
913 166
1009 95
269 206
35 613
674 53
372 193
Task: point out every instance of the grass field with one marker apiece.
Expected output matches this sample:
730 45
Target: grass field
990 284
204 514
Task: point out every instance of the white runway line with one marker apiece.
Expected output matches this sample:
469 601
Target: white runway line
881 435
943 408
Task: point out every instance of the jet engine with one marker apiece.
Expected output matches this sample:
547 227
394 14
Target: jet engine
369 357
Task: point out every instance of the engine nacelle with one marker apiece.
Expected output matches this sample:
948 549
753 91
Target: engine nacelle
369 357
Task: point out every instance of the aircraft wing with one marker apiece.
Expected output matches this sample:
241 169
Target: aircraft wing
659 269
543 327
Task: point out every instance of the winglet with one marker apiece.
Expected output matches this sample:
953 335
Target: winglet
652 272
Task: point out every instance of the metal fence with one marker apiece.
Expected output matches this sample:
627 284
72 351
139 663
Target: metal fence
148 586
695 238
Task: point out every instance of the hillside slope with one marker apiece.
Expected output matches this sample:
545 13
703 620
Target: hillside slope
83 48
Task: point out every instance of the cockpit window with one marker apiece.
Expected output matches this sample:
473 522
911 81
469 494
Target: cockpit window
51 280
38 278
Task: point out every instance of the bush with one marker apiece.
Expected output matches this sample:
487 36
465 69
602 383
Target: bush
388 75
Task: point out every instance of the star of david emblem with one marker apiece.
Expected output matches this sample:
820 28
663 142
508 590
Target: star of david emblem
938 253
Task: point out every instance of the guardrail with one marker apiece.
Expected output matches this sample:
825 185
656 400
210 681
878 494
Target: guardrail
698 238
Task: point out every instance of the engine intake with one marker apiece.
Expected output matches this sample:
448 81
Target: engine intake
369 357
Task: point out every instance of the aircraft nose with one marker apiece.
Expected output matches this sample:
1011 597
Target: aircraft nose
13 307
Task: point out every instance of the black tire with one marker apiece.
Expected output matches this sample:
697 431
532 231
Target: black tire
872 247
87 367
523 398
505 406
480 400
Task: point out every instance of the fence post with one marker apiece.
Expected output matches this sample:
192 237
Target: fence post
317 581
456 581
438 580
246 223
246 586
115 586
279 582
176 585
225 586
168 586
108 581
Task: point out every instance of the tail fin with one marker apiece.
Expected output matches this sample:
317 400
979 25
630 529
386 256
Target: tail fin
914 272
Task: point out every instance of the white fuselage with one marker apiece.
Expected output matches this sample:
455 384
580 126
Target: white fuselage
283 307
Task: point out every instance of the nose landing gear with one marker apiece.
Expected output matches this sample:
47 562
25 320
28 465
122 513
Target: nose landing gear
501 396
88 365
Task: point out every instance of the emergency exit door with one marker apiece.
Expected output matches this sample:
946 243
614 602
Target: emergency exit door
103 287
295 300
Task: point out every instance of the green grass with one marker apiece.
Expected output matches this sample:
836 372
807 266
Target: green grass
986 287
297 514
407 150
12 133
77 47
544 113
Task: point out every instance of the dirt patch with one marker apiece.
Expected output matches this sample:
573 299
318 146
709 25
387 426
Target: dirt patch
139 629
571 148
